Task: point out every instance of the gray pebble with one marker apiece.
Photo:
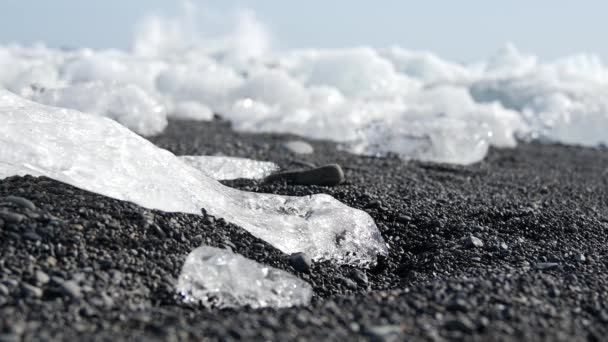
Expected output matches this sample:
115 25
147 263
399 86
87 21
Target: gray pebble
31 290
4 291
384 333
349 283
458 304
473 242
298 147
461 324
9 337
10 217
31 236
404 218
42 278
20 201
300 262
71 289
546 265
581 258
359 276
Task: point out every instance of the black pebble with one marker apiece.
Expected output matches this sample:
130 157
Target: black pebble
300 262
328 175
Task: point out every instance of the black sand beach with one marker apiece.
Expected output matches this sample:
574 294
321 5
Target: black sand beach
511 248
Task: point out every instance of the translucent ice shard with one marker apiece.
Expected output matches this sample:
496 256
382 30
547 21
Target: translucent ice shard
100 155
219 278
225 168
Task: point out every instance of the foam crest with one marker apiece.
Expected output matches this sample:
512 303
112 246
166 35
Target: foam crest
371 101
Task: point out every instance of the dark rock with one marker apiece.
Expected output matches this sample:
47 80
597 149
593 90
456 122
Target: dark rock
458 304
208 220
359 276
546 265
349 283
9 337
20 201
4 291
71 288
472 242
374 205
301 262
32 236
380 266
31 290
462 324
404 218
384 333
10 217
328 175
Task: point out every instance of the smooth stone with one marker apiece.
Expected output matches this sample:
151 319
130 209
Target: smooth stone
20 201
9 337
384 333
359 276
42 278
31 236
4 291
327 175
298 147
31 290
461 324
473 242
301 262
404 218
71 289
10 217
546 265
349 283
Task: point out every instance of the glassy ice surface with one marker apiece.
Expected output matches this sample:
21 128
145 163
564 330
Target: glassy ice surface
219 278
226 168
102 156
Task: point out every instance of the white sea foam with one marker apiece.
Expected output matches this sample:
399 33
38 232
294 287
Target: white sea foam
372 101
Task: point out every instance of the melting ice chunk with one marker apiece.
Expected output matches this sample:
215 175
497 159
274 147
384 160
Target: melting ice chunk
226 168
100 155
219 278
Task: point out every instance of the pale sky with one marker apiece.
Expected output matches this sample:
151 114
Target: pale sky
462 30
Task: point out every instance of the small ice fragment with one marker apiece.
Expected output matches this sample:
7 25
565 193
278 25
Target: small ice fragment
219 278
226 168
298 147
